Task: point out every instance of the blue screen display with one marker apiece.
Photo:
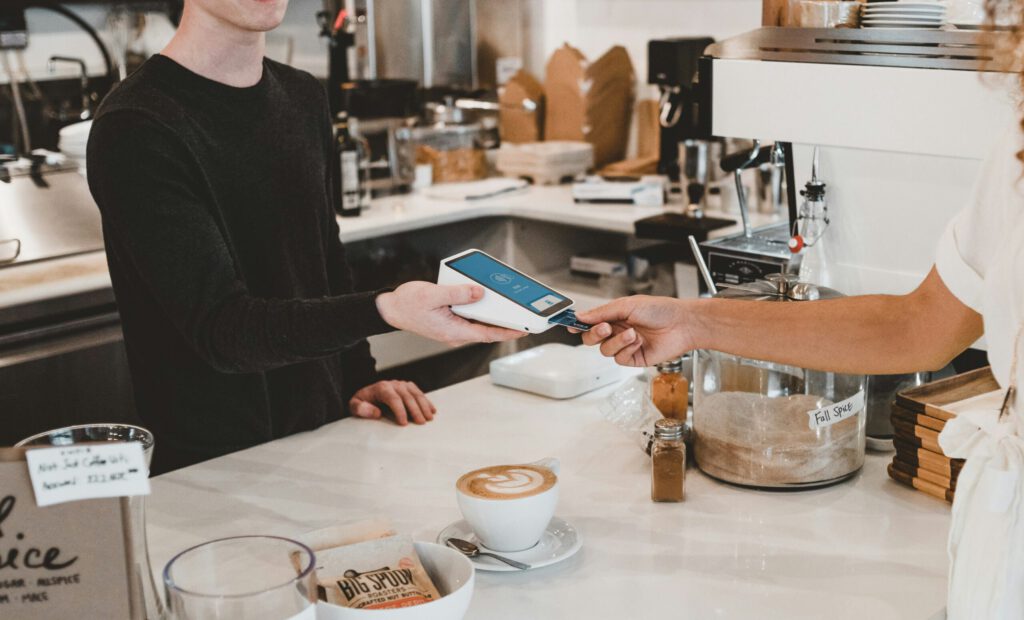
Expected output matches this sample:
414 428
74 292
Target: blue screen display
503 280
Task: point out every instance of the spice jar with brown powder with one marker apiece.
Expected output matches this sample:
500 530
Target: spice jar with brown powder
670 390
668 462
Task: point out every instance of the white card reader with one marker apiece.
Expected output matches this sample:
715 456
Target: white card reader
511 298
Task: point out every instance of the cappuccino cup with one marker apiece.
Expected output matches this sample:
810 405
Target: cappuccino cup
509 506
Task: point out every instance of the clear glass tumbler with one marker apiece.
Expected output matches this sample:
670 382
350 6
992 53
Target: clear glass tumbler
251 577
146 600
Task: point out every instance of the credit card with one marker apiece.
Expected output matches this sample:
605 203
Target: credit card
568 319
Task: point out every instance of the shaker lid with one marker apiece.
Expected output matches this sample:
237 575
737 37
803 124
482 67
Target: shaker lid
667 428
675 365
778 287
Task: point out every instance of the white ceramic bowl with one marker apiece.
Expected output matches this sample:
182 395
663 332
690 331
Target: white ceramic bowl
452 574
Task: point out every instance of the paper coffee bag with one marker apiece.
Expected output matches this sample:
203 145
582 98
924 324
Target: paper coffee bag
377 574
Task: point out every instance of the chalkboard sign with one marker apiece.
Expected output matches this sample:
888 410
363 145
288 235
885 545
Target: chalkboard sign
68 560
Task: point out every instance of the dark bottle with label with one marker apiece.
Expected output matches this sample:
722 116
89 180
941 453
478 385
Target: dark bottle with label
348 190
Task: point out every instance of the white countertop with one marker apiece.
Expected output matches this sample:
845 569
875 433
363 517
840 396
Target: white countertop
547 203
401 213
395 214
866 548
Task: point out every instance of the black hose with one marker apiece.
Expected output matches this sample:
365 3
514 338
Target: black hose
81 23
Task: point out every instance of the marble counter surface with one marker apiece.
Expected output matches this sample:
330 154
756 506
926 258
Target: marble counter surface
866 548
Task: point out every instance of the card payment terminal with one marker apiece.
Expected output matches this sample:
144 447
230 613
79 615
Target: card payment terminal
511 298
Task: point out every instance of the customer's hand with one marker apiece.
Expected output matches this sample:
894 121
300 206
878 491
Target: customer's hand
425 309
639 330
404 400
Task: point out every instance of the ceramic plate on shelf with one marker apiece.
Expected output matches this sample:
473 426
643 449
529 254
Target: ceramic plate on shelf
938 10
873 4
902 14
903 6
908 22
898 25
935 11
901 18
912 23
560 542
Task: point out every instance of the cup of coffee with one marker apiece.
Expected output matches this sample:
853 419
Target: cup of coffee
509 506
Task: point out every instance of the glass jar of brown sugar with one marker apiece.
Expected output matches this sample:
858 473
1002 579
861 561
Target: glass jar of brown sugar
668 461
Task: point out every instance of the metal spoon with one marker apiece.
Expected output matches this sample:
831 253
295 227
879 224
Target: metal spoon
470 550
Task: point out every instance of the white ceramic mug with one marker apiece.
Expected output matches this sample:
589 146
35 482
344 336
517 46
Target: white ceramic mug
511 524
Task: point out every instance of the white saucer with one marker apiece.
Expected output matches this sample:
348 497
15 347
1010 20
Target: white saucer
560 541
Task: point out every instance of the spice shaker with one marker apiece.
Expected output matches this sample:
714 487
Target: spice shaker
670 390
668 461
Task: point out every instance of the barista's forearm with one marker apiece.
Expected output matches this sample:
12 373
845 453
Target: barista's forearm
875 334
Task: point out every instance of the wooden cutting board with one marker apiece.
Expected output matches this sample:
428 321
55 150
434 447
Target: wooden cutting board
931 398
902 414
924 474
921 485
917 436
926 459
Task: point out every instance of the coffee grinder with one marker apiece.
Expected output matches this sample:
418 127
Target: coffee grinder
672 67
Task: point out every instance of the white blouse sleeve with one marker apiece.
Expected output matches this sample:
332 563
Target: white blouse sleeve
959 277
969 242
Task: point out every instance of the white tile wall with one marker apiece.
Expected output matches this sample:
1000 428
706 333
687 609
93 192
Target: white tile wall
595 25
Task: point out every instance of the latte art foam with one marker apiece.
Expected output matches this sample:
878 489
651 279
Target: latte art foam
507 481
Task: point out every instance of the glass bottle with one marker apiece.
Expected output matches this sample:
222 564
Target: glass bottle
349 181
812 224
670 390
668 462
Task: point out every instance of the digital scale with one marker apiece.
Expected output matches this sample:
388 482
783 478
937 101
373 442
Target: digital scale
511 298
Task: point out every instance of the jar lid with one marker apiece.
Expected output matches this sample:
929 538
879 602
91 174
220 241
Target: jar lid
675 365
779 287
668 429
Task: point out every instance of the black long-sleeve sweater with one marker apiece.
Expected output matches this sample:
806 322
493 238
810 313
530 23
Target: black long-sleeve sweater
236 301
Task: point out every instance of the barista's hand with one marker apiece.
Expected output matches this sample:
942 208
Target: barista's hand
639 330
425 309
403 399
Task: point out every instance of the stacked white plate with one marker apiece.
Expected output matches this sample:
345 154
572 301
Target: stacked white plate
545 162
73 140
904 14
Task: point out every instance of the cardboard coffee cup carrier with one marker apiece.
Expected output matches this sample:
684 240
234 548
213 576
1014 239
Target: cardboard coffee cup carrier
517 123
67 560
591 101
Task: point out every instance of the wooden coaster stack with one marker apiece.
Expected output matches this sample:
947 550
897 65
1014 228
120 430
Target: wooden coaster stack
918 416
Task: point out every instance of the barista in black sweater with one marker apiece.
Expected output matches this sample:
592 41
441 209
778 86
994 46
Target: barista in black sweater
210 166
